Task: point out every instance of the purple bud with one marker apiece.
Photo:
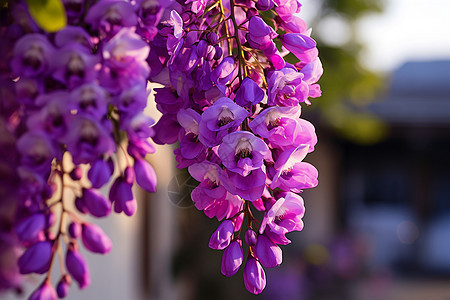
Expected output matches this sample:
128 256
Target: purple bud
94 239
96 203
28 230
77 267
264 4
99 173
267 252
122 196
80 205
212 38
250 237
249 93
219 52
202 48
129 175
44 292
221 238
74 229
232 259
36 259
62 289
76 173
254 276
211 53
145 175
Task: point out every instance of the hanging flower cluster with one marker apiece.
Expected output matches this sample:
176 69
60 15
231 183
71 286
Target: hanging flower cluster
229 99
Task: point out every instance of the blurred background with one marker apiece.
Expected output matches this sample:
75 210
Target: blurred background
378 224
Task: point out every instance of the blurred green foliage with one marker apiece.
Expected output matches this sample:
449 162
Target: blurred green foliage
48 14
348 87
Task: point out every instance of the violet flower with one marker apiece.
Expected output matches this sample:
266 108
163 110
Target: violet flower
284 216
220 118
122 196
286 88
33 55
145 175
242 152
95 203
90 99
100 172
110 16
249 93
31 228
293 174
302 46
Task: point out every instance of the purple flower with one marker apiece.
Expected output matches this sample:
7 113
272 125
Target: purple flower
111 16
122 196
210 195
125 62
33 54
87 140
95 203
167 101
249 93
264 5
224 72
54 117
198 6
286 88
287 8
94 239
293 174
232 259
74 9
100 172
190 145
250 187
284 216
221 238
166 129
220 118
145 175
37 151
302 46
132 101
293 24
44 292
267 252
242 152
283 129
36 259
77 267
90 99
75 65
31 228
254 276
73 34
259 33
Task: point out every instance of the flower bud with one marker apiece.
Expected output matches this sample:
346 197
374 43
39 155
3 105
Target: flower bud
80 205
212 38
122 196
99 173
62 289
264 4
145 175
94 239
254 276
267 252
221 238
74 230
96 204
219 52
44 292
250 237
76 173
36 259
77 267
302 46
232 259
28 230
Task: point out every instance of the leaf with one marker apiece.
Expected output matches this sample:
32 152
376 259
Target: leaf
48 14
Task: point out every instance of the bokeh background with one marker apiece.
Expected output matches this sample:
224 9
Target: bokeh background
378 224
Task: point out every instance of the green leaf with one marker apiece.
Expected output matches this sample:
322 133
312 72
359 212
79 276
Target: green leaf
48 14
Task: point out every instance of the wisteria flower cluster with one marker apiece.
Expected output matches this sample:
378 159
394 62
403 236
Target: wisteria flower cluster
229 99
